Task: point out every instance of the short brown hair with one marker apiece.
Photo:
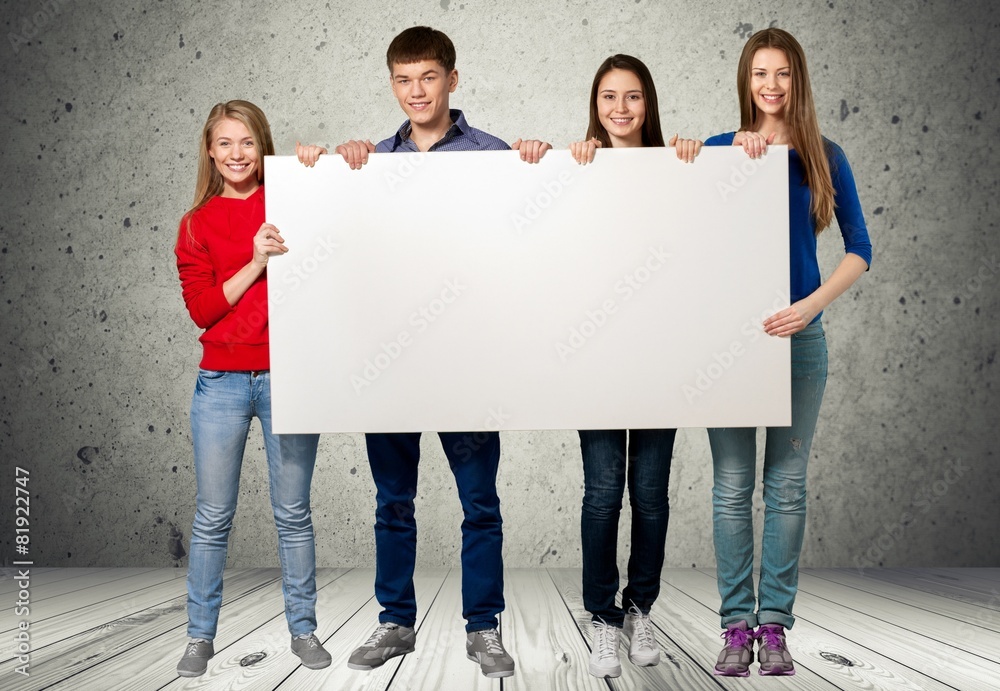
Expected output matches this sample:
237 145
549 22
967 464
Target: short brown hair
421 43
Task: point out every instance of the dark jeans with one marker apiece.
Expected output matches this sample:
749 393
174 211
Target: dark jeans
474 458
605 472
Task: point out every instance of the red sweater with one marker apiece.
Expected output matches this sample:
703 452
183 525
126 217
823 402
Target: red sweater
220 244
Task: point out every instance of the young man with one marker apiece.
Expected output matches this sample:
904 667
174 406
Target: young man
422 73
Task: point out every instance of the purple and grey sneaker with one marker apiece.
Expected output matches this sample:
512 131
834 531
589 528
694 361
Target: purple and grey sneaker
737 654
772 651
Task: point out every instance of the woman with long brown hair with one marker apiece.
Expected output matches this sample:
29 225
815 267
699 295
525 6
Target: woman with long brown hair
222 251
776 107
624 113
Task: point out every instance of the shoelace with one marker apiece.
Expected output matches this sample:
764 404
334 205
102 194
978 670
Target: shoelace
642 628
604 640
772 637
192 648
492 640
310 640
736 638
379 634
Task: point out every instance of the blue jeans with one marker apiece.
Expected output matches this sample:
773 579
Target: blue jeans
786 456
221 410
474 458
605 473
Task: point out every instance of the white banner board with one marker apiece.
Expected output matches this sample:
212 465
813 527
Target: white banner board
467 291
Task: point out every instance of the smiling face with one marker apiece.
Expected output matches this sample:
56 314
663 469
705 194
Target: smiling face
422 89
234 152
621 107
770 82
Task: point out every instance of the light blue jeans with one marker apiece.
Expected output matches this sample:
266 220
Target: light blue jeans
221 410
786 456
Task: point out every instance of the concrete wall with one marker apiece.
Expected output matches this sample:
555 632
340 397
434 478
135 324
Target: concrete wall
102 108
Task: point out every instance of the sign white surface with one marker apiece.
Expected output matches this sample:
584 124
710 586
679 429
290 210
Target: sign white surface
468 290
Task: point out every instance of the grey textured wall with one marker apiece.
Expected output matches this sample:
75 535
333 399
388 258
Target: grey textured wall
101 110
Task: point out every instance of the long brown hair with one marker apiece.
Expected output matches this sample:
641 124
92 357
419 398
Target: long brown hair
652 135
800 116
209 182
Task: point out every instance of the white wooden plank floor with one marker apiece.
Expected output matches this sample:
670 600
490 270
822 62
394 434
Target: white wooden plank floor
103 629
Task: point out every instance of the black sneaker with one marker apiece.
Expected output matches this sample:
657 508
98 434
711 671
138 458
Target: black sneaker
196 656
388 641
310 651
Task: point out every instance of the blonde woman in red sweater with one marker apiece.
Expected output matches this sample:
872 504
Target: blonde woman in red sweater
222 250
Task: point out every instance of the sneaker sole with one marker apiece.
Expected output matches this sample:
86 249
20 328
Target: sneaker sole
604 673
190 674
491 675
377 663
644 661
321 665
776 672
731 673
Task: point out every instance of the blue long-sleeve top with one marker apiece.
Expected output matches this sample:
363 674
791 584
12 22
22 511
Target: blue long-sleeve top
803 264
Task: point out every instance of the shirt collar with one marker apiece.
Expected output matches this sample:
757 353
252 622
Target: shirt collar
459 128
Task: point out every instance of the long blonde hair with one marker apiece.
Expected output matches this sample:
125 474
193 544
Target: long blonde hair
209 182
800 116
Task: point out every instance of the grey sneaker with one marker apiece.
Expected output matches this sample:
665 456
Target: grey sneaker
643 650
310 651
388 641
485 648
604 654
196 656
772 651
737 654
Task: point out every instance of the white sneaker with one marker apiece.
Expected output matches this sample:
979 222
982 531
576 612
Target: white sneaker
604 655
643 650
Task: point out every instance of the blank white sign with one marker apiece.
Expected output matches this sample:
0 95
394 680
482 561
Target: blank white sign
469 291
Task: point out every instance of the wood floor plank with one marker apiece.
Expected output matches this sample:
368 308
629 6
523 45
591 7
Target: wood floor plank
81 619
919 581
427 584
105 641
988 589
540 631
900 592
93 578
39 577
251 627
910 649
836 658
439 660
91 590
691 621
932 625
675 671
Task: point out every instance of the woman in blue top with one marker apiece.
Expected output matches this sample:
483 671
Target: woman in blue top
776 107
